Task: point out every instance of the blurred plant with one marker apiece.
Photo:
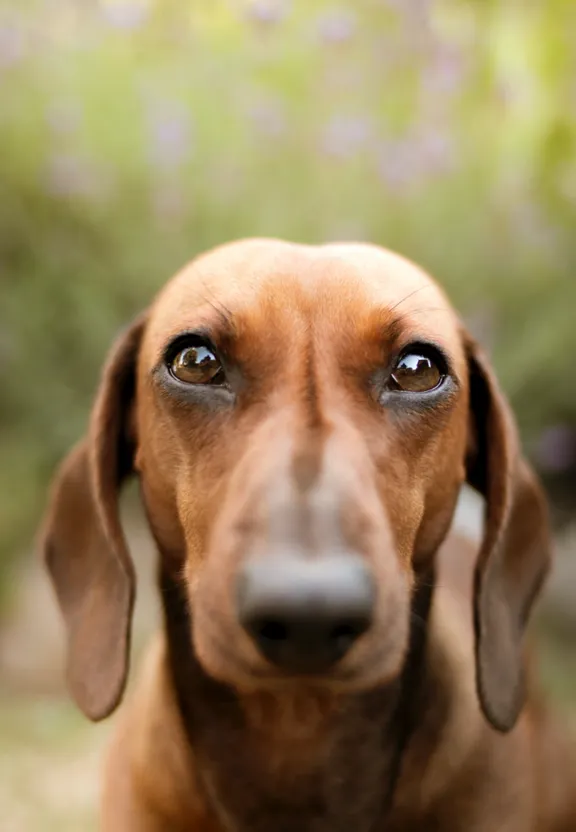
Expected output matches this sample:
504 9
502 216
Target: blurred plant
268 116
556 449
72 176
170 135
125 14
135 133
11 43
346 136
337 26
267 12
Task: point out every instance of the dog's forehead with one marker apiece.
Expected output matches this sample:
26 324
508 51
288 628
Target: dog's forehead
349 280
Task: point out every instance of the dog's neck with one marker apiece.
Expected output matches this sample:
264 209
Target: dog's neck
310 761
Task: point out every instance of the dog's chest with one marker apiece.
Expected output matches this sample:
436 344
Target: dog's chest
247 800
333 778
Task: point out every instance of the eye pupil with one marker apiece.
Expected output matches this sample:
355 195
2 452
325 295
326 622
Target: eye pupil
416 373
196 365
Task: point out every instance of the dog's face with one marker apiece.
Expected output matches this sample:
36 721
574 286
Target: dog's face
301 420
300 409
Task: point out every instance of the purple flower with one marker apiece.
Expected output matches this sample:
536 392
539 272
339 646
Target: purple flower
556 449
415 157
437 151
345 136
126 14
337 26
70 175
169 131
397 162
267 12
445 75
11 44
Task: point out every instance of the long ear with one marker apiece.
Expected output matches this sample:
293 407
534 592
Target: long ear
515 553
83 543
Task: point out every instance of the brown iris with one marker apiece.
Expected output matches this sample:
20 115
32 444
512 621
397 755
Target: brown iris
197 365
416 373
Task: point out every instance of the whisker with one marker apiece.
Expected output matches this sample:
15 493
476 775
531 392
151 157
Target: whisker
405 316
407 297
424 309
452 591
224 313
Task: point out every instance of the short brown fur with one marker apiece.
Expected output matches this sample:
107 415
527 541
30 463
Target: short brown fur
431 722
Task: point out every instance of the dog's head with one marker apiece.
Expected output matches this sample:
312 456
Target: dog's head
301 421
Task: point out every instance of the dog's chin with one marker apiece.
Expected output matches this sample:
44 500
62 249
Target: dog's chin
372 668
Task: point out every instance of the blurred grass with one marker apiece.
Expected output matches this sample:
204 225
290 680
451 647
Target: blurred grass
557 665
50 758
135 134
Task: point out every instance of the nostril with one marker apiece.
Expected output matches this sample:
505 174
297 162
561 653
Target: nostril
344 635
270 630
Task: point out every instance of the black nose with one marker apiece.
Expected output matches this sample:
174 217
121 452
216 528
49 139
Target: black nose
305 615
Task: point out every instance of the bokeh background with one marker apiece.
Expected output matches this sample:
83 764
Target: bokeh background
135 133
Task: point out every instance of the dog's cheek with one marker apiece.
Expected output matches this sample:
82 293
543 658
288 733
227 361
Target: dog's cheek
160 508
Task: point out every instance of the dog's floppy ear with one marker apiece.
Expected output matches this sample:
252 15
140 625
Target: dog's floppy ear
83 544
515 553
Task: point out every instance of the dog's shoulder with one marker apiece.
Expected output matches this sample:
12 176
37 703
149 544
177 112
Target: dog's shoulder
454 742
149 749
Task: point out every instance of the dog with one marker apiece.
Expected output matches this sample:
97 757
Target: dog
333 658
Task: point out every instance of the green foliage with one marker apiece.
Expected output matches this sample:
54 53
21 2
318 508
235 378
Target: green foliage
135 134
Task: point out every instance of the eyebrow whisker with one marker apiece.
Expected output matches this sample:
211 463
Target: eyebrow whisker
220 308
407 297
404 316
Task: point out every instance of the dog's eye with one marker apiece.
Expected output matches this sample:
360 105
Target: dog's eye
197 364
416 372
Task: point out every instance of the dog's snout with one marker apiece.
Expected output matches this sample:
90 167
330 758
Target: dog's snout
305 615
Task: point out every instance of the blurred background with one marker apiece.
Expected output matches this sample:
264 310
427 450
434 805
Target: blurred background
136 133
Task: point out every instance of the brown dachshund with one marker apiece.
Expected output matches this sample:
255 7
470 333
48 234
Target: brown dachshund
301 421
